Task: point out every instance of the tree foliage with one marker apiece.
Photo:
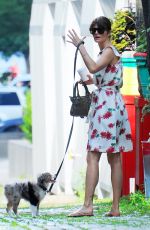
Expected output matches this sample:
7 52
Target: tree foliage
123 30
14 24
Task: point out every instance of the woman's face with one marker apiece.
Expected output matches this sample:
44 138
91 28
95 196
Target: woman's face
99 35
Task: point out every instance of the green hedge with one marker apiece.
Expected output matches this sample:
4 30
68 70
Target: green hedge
27 118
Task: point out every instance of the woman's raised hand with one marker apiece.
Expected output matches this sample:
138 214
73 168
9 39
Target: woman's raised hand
74 38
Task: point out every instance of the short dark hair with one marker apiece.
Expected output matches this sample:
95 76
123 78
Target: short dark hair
102 23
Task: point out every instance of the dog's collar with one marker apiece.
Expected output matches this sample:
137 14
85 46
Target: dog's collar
43 187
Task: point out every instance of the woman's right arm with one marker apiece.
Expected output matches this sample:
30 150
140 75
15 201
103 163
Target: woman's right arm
93 67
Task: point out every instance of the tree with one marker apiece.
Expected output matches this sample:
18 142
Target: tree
14 24
123 31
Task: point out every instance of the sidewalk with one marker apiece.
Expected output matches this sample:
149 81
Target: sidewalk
56 219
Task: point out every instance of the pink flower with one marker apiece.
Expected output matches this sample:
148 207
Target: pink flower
118 123
121 112
94 132
107 115
95 99
110 149
121 149
111 83
128 136
99 119
113 69
109 92
122 131
110 125
99 107
108 68
106 135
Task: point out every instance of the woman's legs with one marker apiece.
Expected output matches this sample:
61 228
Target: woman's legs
116 179
92 176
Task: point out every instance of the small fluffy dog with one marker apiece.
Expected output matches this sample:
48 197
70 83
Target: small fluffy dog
32 192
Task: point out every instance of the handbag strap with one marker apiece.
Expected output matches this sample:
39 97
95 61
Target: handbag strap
71 129
76 89
75 58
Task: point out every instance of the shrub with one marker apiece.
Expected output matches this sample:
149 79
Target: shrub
123 31
27 118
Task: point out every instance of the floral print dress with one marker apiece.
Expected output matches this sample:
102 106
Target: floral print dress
109 128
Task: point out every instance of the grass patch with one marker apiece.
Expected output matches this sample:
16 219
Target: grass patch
135 210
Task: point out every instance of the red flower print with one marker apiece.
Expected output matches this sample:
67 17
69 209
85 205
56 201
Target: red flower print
118 123
113 69
107 115
128 136
110 125
106 135
111 83
99 107
121 149
122 131
109 92
121 112
95 99
99 119
110 149
108 68
94 132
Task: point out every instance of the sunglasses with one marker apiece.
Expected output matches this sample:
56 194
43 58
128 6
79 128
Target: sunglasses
99 30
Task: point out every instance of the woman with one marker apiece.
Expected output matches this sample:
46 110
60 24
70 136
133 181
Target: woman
109 128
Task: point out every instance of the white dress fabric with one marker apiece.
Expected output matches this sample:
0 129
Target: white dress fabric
109 128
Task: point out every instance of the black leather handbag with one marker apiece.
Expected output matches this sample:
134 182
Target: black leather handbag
80 104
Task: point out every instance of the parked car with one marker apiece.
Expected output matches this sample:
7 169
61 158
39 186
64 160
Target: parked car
12 101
